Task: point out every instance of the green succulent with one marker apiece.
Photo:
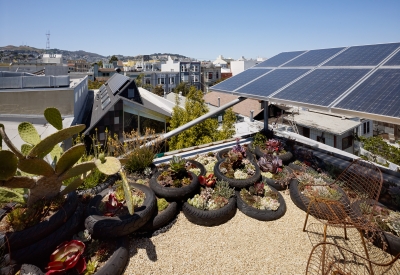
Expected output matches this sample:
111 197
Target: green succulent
177 164
43 180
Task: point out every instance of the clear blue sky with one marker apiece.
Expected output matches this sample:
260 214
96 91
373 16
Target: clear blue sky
201 29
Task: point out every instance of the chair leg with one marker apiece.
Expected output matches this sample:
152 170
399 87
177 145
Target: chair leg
305 222
345 232
366 253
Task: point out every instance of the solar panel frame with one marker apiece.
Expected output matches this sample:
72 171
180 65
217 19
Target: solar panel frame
378 94
394 60
367 55
321 86
105 103
313 58
239 80
280 59
272 81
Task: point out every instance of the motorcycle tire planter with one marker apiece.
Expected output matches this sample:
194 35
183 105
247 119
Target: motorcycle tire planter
39 252
159 220
390 240
210 217
286 158
115 265
262 215
302 202
223 154
175 193
237 183
20 239
100 226
203 170
275 184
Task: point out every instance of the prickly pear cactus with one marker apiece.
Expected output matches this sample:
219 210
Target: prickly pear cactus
53 116
127 193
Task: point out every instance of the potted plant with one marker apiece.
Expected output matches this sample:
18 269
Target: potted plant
28 169
215 205
175 183
261 201
237 170
237 147
208 160
274 147
273 173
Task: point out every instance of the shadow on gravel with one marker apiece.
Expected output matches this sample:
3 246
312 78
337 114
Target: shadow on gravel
143 243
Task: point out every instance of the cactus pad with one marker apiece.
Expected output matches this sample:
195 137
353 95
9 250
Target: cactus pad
78 170
53 116
111 165
35 166
72 186
46 145
127 193
26 148
69 158
56 153
28 133
9 165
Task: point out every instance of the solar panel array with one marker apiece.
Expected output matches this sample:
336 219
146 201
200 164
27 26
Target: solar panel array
356 79
116 82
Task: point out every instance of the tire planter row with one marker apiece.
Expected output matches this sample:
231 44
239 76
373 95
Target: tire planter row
203 170
273 183
210 217
286 158
261 215
238 183
159 220
99 188
19 239
100 226
302 202
222 154
115 265
172 193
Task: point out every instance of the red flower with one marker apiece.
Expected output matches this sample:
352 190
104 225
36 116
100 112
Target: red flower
66 256
207 181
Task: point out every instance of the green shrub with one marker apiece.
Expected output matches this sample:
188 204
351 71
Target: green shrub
139 159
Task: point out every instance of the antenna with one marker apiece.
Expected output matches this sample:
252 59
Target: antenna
48 40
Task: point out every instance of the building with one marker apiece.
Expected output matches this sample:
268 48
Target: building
81 66
188 71
210 74
242 64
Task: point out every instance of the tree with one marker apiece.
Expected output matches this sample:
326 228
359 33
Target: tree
182 87
201 133
113 58
92 85
158 90
139 80
100 63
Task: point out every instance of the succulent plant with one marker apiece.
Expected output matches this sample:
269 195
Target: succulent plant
273 146
178 165
44 181
270 163
239 148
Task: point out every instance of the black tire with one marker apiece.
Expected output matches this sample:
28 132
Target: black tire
275 184
262 215
19 239
172 193
118 261
221 154
28 269
210 217
161 219
203 170
102 186
39 252
286 158
101 226
320 211
237 183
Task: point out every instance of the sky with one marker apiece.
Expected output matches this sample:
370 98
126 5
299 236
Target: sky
202 29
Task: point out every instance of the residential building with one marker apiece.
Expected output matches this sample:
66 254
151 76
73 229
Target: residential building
80 65
210 74
238 66
188 71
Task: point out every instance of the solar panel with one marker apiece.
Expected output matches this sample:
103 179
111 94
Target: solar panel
104 98
322 86
105 103
116 82
370 55
279 59
269 83
313 58
394 60
238 80
379 94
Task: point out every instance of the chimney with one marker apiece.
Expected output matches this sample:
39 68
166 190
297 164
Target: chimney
251 115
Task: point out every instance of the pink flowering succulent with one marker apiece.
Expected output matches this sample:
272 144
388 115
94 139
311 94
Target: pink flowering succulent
67 255
273 146
112 205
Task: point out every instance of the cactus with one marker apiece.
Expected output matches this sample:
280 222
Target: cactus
46 181
127 192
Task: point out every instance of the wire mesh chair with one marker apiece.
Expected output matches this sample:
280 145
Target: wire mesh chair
332 203
329 258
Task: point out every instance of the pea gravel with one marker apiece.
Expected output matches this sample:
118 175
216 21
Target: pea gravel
243 245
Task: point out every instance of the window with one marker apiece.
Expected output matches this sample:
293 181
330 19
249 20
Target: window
366 127
347 142
195 78
321 139
161 81
216 75
131 93
147 81
183 68
171 80
210 75
157 126
195 68
184 78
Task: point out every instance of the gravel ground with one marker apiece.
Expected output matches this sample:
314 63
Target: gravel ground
241 246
